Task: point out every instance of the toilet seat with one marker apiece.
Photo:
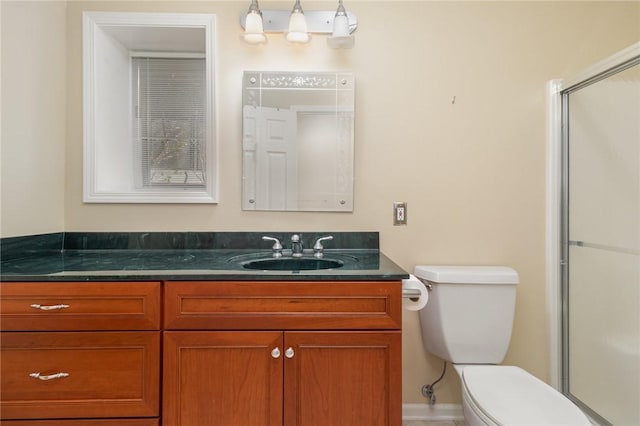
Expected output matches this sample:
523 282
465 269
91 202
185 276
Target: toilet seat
508 395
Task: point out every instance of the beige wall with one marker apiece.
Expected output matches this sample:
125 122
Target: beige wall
472 171
33 117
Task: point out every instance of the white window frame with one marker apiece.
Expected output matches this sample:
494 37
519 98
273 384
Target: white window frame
100 186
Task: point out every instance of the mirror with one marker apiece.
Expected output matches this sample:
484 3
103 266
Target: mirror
297 143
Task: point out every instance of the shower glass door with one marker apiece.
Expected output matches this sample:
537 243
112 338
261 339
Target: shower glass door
601 245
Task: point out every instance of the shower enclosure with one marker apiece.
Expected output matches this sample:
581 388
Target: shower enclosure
600 240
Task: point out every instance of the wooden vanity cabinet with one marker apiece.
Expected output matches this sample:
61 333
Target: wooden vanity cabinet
282 353
80 351
241 353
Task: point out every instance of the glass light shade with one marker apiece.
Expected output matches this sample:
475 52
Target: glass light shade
341 42
341 38
297 28
340 26
253 29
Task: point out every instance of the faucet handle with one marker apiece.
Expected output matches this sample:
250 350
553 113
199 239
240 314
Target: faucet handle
277 246
317 247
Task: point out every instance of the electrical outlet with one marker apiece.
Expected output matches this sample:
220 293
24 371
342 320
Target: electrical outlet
400 213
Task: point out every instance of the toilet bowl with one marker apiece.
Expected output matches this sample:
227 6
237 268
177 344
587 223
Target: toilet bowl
468 322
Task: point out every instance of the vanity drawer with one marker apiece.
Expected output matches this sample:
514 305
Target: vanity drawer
90 422
283 305
33 306
79 375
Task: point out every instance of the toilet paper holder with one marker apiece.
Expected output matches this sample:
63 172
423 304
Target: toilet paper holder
410 293
413 294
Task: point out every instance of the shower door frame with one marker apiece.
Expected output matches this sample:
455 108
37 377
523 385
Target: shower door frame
557 230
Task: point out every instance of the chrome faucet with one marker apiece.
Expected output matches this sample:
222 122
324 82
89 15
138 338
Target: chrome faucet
318 248
277 246
296 245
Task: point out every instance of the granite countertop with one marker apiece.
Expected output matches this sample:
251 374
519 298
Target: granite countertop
183 256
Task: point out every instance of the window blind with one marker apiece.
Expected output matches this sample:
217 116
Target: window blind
169 125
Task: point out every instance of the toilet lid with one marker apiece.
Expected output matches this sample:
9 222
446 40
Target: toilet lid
510 396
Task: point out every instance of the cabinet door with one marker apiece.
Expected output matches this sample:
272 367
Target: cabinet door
343 378
222 378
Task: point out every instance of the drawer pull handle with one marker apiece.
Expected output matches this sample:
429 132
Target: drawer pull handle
49 377
275 353
289 353
49 307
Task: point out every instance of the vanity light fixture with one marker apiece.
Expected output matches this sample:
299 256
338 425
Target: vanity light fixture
253 28
298 32
341 37
297 25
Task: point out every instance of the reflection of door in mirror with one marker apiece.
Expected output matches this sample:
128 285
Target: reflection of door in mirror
298 141
274 158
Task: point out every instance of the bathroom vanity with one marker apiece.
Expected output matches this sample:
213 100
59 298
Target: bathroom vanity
201 346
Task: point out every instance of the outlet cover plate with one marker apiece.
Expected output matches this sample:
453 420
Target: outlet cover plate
399 213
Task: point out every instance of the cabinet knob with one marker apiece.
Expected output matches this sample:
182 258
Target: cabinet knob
275 353
289 353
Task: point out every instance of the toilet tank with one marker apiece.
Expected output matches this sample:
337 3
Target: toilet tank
469 317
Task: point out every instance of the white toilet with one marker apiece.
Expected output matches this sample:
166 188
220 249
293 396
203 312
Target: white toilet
468 322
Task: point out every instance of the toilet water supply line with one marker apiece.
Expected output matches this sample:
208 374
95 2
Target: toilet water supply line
427 390
417 290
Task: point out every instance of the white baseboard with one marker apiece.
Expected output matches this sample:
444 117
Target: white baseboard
432 412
